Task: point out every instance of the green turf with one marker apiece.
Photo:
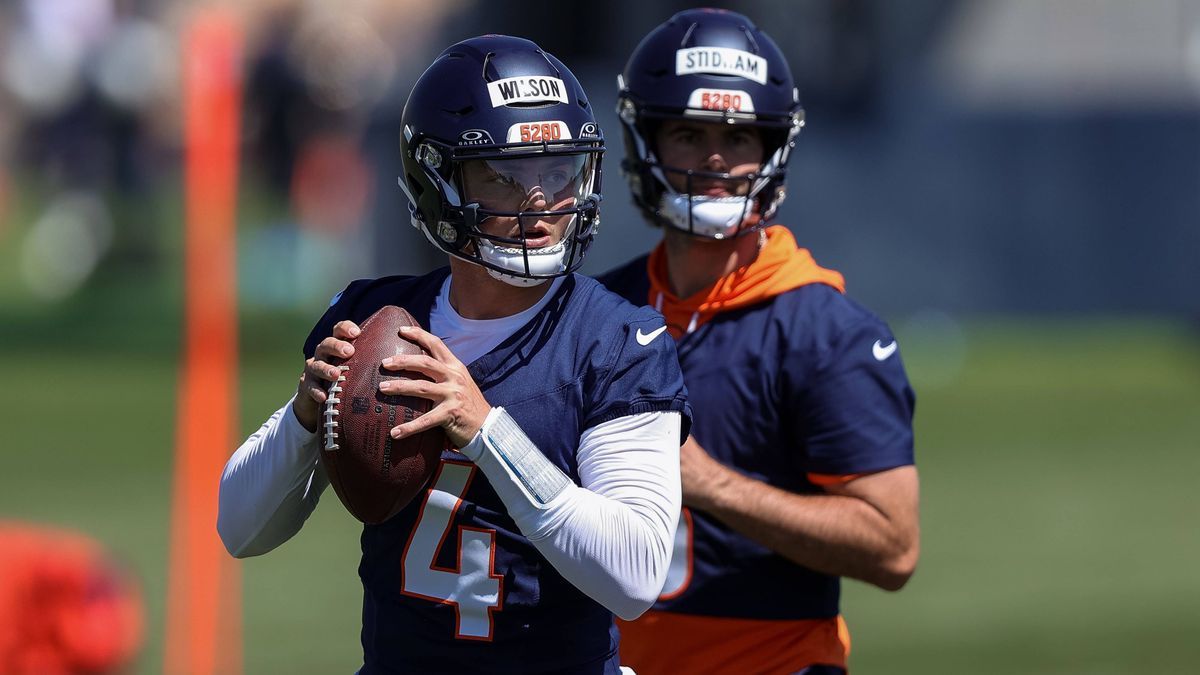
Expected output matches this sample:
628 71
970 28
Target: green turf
1059 515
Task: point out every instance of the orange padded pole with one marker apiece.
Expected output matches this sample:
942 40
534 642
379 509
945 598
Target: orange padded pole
203 632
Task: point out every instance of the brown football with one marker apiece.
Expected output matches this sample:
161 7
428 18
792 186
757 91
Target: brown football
373 474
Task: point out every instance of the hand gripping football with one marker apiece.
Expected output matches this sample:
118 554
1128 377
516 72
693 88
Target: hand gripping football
373 474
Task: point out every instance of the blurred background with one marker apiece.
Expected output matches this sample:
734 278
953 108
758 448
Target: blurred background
1013 184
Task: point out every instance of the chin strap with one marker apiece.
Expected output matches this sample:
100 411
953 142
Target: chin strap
542 262
716 217
513 280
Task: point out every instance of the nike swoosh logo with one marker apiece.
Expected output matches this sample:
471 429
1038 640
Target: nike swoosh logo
646 338
882 353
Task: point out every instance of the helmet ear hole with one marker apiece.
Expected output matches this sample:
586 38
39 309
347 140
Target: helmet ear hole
454 235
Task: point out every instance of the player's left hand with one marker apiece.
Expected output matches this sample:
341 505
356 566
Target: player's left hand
702 476
458 405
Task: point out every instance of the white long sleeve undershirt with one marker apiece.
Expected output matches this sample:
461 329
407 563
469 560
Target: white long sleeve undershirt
611 536
270 486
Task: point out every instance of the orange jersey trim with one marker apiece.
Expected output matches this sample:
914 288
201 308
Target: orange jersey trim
663 643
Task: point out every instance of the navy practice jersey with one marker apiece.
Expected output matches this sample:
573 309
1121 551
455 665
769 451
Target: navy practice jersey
805 384
450 584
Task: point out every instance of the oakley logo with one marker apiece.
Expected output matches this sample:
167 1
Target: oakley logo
474 137
646 338
527 90
881 352
721 61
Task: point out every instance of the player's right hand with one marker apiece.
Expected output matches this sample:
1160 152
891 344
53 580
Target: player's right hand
320 370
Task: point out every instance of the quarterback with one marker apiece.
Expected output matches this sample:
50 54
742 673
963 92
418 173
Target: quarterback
799 469
557 505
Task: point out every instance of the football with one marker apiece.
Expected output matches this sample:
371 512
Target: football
373 474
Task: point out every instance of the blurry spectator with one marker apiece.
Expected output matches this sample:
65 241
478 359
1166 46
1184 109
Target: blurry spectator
324 91
279 110
87 77
314 73
44 69
330 185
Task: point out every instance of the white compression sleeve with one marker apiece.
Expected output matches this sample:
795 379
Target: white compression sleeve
612 536
270 486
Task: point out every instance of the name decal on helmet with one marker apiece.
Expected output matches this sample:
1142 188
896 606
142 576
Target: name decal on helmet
533 132
721 61
527 90
725 100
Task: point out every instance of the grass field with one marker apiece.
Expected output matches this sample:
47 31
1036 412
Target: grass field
1059 512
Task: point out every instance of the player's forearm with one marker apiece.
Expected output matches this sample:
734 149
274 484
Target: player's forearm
269 486
833 534
611 538
615 553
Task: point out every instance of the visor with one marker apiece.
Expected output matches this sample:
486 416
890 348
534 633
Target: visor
508 185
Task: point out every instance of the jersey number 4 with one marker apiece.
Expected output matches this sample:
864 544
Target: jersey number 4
473 588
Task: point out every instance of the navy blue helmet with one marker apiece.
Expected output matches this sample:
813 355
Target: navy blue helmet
494 126
708 65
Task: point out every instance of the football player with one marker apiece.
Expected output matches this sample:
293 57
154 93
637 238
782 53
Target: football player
800 468
557 507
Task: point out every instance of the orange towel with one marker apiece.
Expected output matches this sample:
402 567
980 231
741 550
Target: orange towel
64 606
779 267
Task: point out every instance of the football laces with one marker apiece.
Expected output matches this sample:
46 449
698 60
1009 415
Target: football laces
331 411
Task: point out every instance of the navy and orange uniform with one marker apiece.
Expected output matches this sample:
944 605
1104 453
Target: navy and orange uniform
450 583
793 384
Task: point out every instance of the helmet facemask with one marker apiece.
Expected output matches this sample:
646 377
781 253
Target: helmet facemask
526 216
532 243
754 197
